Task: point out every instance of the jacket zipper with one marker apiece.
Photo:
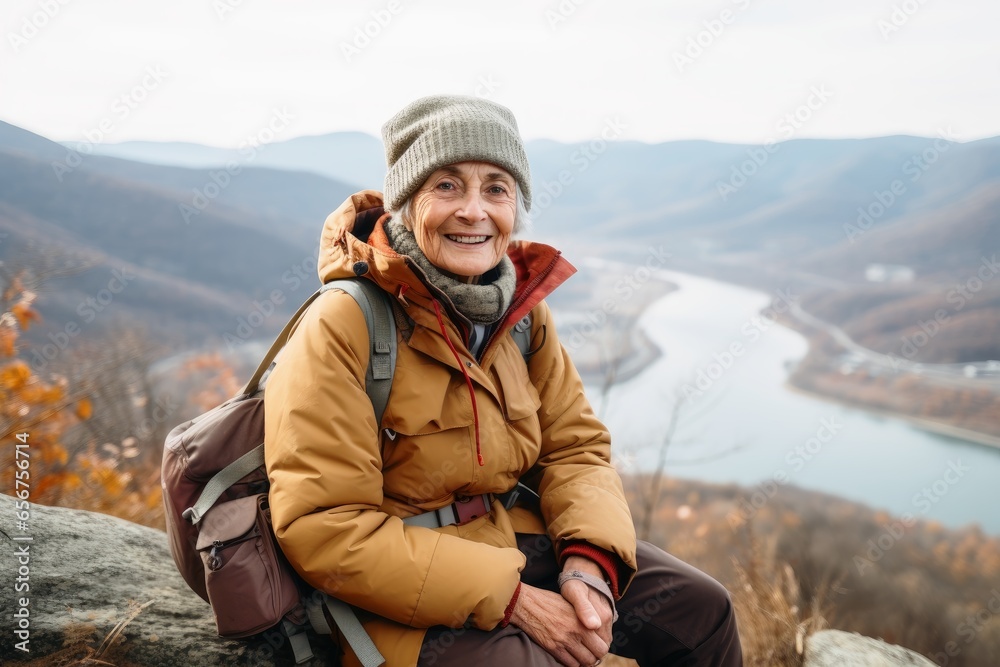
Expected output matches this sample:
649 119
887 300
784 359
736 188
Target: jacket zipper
468 383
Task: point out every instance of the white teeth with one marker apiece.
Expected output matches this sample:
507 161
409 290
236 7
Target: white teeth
467 239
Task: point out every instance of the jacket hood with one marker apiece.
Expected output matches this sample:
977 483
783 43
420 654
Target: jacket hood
365 251
344 232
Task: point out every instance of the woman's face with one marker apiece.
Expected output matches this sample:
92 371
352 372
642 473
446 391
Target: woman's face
463 216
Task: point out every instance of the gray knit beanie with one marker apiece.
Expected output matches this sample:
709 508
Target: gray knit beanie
444 129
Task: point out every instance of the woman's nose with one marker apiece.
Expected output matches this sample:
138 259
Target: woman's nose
472 208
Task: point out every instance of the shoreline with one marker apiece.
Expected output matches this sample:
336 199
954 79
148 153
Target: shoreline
638 352
941 428
645 353
938 428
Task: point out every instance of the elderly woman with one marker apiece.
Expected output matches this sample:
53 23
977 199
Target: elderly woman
534 581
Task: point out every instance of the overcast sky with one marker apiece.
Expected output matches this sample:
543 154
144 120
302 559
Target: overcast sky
217 71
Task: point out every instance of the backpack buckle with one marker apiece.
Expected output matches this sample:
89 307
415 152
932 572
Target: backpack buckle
470 508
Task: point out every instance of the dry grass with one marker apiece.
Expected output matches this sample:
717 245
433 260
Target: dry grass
772 619
78 643
774 612
768 602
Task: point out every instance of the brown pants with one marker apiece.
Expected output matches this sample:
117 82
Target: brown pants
672 614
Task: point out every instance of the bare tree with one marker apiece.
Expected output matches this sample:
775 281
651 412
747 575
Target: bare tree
649 494
115 373
616 346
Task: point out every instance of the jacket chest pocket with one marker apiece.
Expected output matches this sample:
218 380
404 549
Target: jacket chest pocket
520 405
428 439
426 399
520 398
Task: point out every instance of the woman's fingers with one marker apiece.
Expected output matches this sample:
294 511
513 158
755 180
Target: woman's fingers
551 621
577 594
596 648
581 656
604 609
582 653
592 608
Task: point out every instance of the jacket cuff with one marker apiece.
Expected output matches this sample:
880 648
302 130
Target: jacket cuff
607 561
509 611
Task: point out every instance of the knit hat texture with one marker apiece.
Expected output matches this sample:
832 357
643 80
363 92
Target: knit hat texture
444 129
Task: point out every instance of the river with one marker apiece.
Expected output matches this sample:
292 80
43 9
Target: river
752 428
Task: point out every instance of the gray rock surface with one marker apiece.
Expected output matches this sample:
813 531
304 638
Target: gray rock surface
84 569
835 648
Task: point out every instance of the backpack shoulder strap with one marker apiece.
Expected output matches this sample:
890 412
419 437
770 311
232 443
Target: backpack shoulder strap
521 333
377 308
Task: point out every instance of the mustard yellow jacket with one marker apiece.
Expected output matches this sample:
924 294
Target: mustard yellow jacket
341 484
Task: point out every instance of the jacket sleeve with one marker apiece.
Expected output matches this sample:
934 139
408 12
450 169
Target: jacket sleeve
582 499
324 464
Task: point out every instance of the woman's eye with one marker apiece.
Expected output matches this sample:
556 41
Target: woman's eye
446 186
498 190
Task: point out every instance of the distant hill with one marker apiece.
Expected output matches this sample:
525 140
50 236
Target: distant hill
945 242
197 270
348 157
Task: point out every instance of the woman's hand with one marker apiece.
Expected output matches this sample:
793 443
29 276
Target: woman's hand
553 623
592 608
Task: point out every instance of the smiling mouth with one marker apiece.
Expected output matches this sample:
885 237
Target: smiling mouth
469 240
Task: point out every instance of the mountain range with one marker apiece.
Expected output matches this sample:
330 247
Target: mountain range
786 202
210 239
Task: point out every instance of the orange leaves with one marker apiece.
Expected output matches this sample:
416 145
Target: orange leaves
25 314
102 474
112 486
17 316
15 375
83 409
202 362
8 341
40 395
62 480
213 380
110 480
154 499
55 453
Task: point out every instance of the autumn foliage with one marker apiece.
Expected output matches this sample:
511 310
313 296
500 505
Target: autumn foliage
43 412
95 422
39 410
805 560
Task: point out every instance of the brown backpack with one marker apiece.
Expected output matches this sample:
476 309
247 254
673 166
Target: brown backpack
218 520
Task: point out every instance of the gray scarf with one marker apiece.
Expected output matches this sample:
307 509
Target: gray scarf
483 303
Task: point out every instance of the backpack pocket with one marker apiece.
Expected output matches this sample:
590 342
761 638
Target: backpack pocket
250 586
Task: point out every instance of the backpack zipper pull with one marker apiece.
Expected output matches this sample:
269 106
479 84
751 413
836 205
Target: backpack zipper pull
214 562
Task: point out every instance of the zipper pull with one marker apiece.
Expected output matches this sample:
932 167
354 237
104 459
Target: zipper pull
214 562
